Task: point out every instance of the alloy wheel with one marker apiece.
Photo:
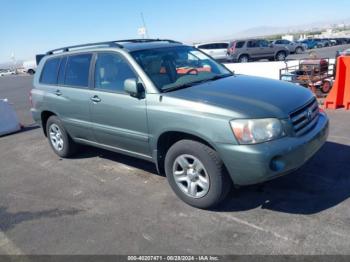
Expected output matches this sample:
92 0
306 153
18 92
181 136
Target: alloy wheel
191 176
56 137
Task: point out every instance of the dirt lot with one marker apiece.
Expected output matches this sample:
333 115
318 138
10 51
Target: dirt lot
105 203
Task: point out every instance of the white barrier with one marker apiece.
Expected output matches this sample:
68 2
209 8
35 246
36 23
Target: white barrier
263 69
8 119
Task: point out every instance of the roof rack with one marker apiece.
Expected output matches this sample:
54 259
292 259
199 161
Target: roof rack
68 48
146 40
110 44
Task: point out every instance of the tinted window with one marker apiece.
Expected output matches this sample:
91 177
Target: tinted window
49 73
263 43
77 70
208 46
278 42
111 70
253 44
222 45
240 44
62 70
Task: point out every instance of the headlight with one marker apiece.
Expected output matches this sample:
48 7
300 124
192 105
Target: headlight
253 131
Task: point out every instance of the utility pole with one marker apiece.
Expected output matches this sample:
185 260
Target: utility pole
13 58
144 25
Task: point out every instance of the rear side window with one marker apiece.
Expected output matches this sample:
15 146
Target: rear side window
207 46
240 44
222 45
50 70
77 70
253 43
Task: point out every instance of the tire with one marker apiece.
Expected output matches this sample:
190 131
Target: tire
31 72
64 146
298 50
184 157
281 56
243 59
326 87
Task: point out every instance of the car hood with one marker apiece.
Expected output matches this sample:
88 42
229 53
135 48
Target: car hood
248 96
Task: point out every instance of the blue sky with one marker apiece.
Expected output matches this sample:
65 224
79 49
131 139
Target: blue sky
34 26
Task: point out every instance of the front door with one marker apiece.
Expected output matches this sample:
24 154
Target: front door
118 120
266 49
254 50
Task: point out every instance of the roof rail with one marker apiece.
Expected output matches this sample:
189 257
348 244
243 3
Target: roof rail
110 44
67 48
145 40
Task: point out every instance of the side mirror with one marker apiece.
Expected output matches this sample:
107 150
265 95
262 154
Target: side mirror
134 88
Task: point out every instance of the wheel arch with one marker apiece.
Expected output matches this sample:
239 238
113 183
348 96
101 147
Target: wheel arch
45 115
243 54
169 138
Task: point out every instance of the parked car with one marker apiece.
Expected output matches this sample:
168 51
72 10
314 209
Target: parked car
324 42
29 67
345 52
6 72
311 43
333 42
217 50
342 41
293 47
254 49
173 105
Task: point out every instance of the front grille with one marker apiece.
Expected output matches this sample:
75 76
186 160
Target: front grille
305 118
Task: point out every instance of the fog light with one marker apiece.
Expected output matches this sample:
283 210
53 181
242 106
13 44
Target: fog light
277 164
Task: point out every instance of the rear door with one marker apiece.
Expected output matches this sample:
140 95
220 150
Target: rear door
208 49
66 80
221 51
119 120
73 93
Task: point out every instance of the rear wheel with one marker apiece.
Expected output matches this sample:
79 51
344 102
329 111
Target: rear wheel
298 50
196 174
60 141
31 72
243 59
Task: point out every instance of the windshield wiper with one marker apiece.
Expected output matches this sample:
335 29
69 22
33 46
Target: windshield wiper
173 88
195 83
218 77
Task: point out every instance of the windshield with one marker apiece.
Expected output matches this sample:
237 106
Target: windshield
177 67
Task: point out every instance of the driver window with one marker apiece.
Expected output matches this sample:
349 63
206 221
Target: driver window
111 70
263 43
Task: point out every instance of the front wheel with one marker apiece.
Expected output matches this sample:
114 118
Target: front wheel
197 174
281 56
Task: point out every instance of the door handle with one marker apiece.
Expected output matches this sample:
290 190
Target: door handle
95 99
58 93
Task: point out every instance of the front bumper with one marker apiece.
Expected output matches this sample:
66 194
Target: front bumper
252 164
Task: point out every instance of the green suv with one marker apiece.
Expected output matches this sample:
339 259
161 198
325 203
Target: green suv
206 128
